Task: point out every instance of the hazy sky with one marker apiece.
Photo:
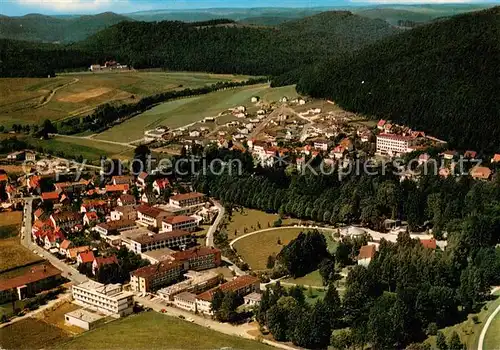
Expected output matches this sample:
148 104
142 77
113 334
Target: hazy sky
21 7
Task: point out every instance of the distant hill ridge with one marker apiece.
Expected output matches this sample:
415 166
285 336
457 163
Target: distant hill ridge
441 77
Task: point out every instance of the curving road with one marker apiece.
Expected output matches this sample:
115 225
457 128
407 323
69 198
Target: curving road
488 323
211 231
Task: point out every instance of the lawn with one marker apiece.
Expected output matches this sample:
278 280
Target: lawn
181 112
311 279
469 331
248 220
256 249
153 330
492 338
79 93
30 334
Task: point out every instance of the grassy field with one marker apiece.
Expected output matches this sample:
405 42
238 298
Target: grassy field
30 334
153 330
469 331
181 112
25 99
12 253
492 338
249 219
256 249
311 279
89 149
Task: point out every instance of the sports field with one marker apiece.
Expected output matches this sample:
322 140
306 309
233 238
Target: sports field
32 100
152 330
181 112
255 249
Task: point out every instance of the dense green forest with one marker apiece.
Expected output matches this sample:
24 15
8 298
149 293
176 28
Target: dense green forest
442 78
184 46
408 291
36 27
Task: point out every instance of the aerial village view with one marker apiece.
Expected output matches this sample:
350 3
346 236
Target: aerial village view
142 207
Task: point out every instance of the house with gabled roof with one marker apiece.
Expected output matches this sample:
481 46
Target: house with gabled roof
101 261
159 185
86 257
90 218
66 220
366 254
142 180
65 246
126 199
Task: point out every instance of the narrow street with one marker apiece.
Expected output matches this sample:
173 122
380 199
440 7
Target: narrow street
26 240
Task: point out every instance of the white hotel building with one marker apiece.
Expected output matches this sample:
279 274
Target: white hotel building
109 299
394 144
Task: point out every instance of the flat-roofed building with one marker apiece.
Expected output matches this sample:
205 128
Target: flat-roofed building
241 285
393 144
152 277
110 299
199 258
84 319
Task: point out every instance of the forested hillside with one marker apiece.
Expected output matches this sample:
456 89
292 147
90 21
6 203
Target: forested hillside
35 27
442 78
228 49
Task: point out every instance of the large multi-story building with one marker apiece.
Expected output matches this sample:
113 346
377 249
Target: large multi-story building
114 227
241 285
393 144
196 282
150 241
151 216
179 222
198 258
190 201
110 299
152 277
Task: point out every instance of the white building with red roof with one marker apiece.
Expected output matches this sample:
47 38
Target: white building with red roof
179 222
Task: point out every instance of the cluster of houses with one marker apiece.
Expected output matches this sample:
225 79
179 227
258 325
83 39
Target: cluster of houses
108 66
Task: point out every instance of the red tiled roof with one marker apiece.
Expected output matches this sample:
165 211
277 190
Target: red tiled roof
367 251
92 203
4 177
73 252
470 154
117 188
162 183
496 158
149 210
429 243
39 212
234 285
151 270
172 220
101 260
35 274
54 236
480 172
91 215
66 216
143 175
381 122
117 225
184 196
50 196
86 256
193 253
65 244
123 179
127 199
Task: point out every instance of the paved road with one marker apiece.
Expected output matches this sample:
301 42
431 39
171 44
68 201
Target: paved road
158 304
210 233
488 323
26 240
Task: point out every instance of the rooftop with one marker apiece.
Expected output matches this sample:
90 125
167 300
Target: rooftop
178 219
34 274
234 285
367 251
85 315
193 253
152 237
185 196
151 270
